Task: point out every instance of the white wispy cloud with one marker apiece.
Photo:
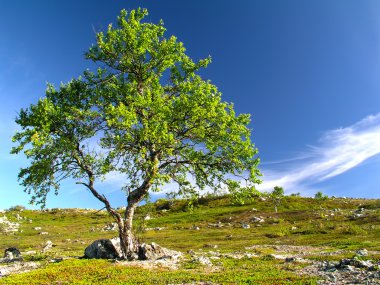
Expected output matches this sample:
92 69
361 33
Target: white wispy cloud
337 151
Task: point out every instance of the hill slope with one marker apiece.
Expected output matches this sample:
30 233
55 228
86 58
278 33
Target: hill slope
222 243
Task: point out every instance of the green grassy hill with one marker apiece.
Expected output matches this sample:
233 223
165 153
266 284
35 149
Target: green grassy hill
239 241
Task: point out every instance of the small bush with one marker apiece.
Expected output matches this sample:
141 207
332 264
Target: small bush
17 208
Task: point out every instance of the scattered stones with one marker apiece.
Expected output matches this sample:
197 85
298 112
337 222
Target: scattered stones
159 228
17 267
111 227
8 226
217 225
257 220
104 248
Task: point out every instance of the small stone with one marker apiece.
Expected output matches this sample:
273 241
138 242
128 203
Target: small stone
246 226
37 228
48 245
44 233
362 252
202 260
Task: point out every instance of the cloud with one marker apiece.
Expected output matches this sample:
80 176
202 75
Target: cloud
337 152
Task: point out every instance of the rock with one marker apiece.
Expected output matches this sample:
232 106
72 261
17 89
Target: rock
191 252
147 218
37 228
17 267
153 252
245 226
150 251
12 253
294 228
195 228
257 220
9 226
111 227
48 245
44 233
104 248
159 229
362 252
202 260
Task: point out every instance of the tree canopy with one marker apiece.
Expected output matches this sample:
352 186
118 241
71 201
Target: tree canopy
145 113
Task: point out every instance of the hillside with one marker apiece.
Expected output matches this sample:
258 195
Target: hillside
334 241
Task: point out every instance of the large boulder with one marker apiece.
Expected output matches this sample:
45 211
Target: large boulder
110 249
104 248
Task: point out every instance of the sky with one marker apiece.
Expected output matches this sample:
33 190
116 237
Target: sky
307 71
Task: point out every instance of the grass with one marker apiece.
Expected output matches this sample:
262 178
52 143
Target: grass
300 221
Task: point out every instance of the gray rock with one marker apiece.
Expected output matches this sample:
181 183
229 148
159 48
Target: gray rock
47 246
257 220
150 251
362 252
111 227
104 249
202 260
12 253
245 226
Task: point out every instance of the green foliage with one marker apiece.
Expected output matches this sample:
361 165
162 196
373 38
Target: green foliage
320 196
145 113
17 208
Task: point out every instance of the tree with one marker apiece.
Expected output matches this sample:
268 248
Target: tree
276 196
144 113
320 197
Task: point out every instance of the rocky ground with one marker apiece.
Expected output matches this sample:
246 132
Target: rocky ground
357 270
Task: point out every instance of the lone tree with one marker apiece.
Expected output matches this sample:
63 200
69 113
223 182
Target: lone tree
276 196
143 113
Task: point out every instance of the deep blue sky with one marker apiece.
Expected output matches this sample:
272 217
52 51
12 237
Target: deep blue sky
307 71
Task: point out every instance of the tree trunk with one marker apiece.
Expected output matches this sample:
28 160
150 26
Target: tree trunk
127 240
